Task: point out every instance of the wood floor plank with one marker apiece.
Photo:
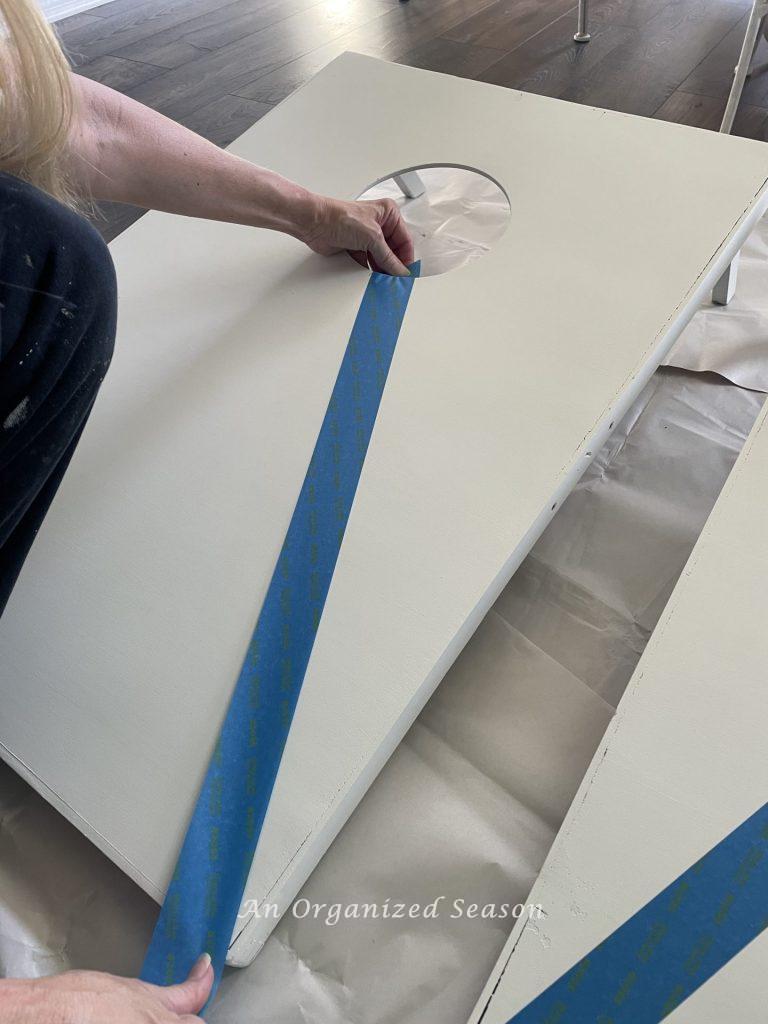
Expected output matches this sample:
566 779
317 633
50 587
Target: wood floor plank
118 73
148 10
329 18
228 69
630 13
682 32
637 13
144 8
462 59
215 27
642 72
226 118
281 81
75 24
167 55
707 112
124 25
506 24
389 37
551 63
714 74
100 11
607 85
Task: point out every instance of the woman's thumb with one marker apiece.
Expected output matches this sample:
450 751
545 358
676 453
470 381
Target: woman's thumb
191 995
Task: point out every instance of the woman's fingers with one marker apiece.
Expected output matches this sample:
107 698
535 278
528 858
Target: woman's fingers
368 259
396 233
385 260
372 231
191 995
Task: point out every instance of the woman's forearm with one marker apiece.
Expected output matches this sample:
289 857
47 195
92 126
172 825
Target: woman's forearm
124 151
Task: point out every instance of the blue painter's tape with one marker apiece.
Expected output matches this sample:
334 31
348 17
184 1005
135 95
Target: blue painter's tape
204 897
672 945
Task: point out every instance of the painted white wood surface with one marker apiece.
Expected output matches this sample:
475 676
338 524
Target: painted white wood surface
682 764
123 640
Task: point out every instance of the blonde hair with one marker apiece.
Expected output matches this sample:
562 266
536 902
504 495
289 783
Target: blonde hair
36 101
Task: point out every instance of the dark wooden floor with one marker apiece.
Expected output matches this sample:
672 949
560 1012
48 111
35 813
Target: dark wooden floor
218 65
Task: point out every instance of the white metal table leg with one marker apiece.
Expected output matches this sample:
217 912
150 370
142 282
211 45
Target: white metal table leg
751 37
751 70
724 290
582 35
410 184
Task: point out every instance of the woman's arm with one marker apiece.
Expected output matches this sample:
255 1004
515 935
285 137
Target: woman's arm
122 150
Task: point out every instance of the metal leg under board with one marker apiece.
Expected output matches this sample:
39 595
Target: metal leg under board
582 35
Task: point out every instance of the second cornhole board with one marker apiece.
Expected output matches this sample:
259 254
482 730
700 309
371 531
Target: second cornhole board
124 637
682 764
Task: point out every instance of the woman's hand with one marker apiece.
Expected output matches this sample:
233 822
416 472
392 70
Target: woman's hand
89 997
123 151
372 231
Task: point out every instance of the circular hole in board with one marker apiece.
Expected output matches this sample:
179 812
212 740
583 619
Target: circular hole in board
458 217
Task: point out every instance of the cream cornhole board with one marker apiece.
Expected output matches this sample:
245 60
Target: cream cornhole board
682 764
124 638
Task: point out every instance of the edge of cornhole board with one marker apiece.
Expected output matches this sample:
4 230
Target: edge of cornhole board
460 397
681 765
